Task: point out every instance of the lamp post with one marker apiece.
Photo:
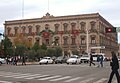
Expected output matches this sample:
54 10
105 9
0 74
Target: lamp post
87 41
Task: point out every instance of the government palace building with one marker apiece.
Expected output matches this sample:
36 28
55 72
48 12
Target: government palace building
81 33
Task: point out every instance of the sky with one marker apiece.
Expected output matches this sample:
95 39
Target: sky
14 9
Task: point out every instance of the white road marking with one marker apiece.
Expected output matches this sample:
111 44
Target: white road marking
5 82
61 78
50 77
101 80
27 76
37 76
87 80
73 79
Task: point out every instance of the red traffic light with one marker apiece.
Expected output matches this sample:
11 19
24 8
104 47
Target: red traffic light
110 30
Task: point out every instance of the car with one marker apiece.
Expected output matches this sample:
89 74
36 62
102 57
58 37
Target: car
2 61
60 59
95 55
46 60
85 58
74 59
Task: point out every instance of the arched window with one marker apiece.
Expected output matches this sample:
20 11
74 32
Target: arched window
83 40
47 26
93 41
92 23
65 27
65 40
82 26
8 30
56 27
23 29
30 29
73 26
37 29
16 30
73 40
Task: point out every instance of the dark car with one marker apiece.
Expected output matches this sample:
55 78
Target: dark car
60 60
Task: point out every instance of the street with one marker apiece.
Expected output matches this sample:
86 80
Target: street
55 73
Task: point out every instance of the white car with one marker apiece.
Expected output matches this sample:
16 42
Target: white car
2 61
85 59
46 60
74 59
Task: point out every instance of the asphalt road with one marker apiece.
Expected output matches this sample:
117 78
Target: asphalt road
55 73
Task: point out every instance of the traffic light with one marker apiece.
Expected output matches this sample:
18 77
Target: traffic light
110 30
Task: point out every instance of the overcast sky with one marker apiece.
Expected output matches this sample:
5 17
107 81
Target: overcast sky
12 9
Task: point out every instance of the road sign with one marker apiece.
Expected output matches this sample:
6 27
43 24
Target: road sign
117 29
98 47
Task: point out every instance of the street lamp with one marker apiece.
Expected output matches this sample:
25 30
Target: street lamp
87 41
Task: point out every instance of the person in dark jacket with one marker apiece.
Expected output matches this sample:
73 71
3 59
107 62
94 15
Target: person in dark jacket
114 66
91 60
101 60
23 60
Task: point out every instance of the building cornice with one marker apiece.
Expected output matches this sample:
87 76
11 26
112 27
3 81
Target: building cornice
52 19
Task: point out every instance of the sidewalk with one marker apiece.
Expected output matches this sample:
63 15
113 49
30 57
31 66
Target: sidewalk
29 63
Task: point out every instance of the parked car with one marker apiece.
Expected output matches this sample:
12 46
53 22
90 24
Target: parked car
2 61
60 59
85 58
74 59
46 60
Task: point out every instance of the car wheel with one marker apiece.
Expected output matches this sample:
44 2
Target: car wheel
67 63
40 63
0 63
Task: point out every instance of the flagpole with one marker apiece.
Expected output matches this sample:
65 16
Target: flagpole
48 6
22 9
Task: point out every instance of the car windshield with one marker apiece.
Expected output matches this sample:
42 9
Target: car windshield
85 56
73 57
45 58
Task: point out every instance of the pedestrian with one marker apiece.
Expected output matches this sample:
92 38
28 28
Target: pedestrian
23 60
114 66
98 60
15 60
91 60
101 60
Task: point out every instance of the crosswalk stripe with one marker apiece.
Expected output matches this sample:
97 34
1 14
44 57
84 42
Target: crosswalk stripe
87 80
61 78
73 79
5 82
50 77
27 76
101 80
13 74
37 76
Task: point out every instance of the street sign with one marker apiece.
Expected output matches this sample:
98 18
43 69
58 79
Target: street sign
117 29
98 47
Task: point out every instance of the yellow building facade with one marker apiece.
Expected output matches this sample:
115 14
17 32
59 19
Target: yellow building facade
73 33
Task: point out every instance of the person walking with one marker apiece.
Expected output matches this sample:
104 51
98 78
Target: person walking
114 66
23 60
101 60
98 60
91 60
